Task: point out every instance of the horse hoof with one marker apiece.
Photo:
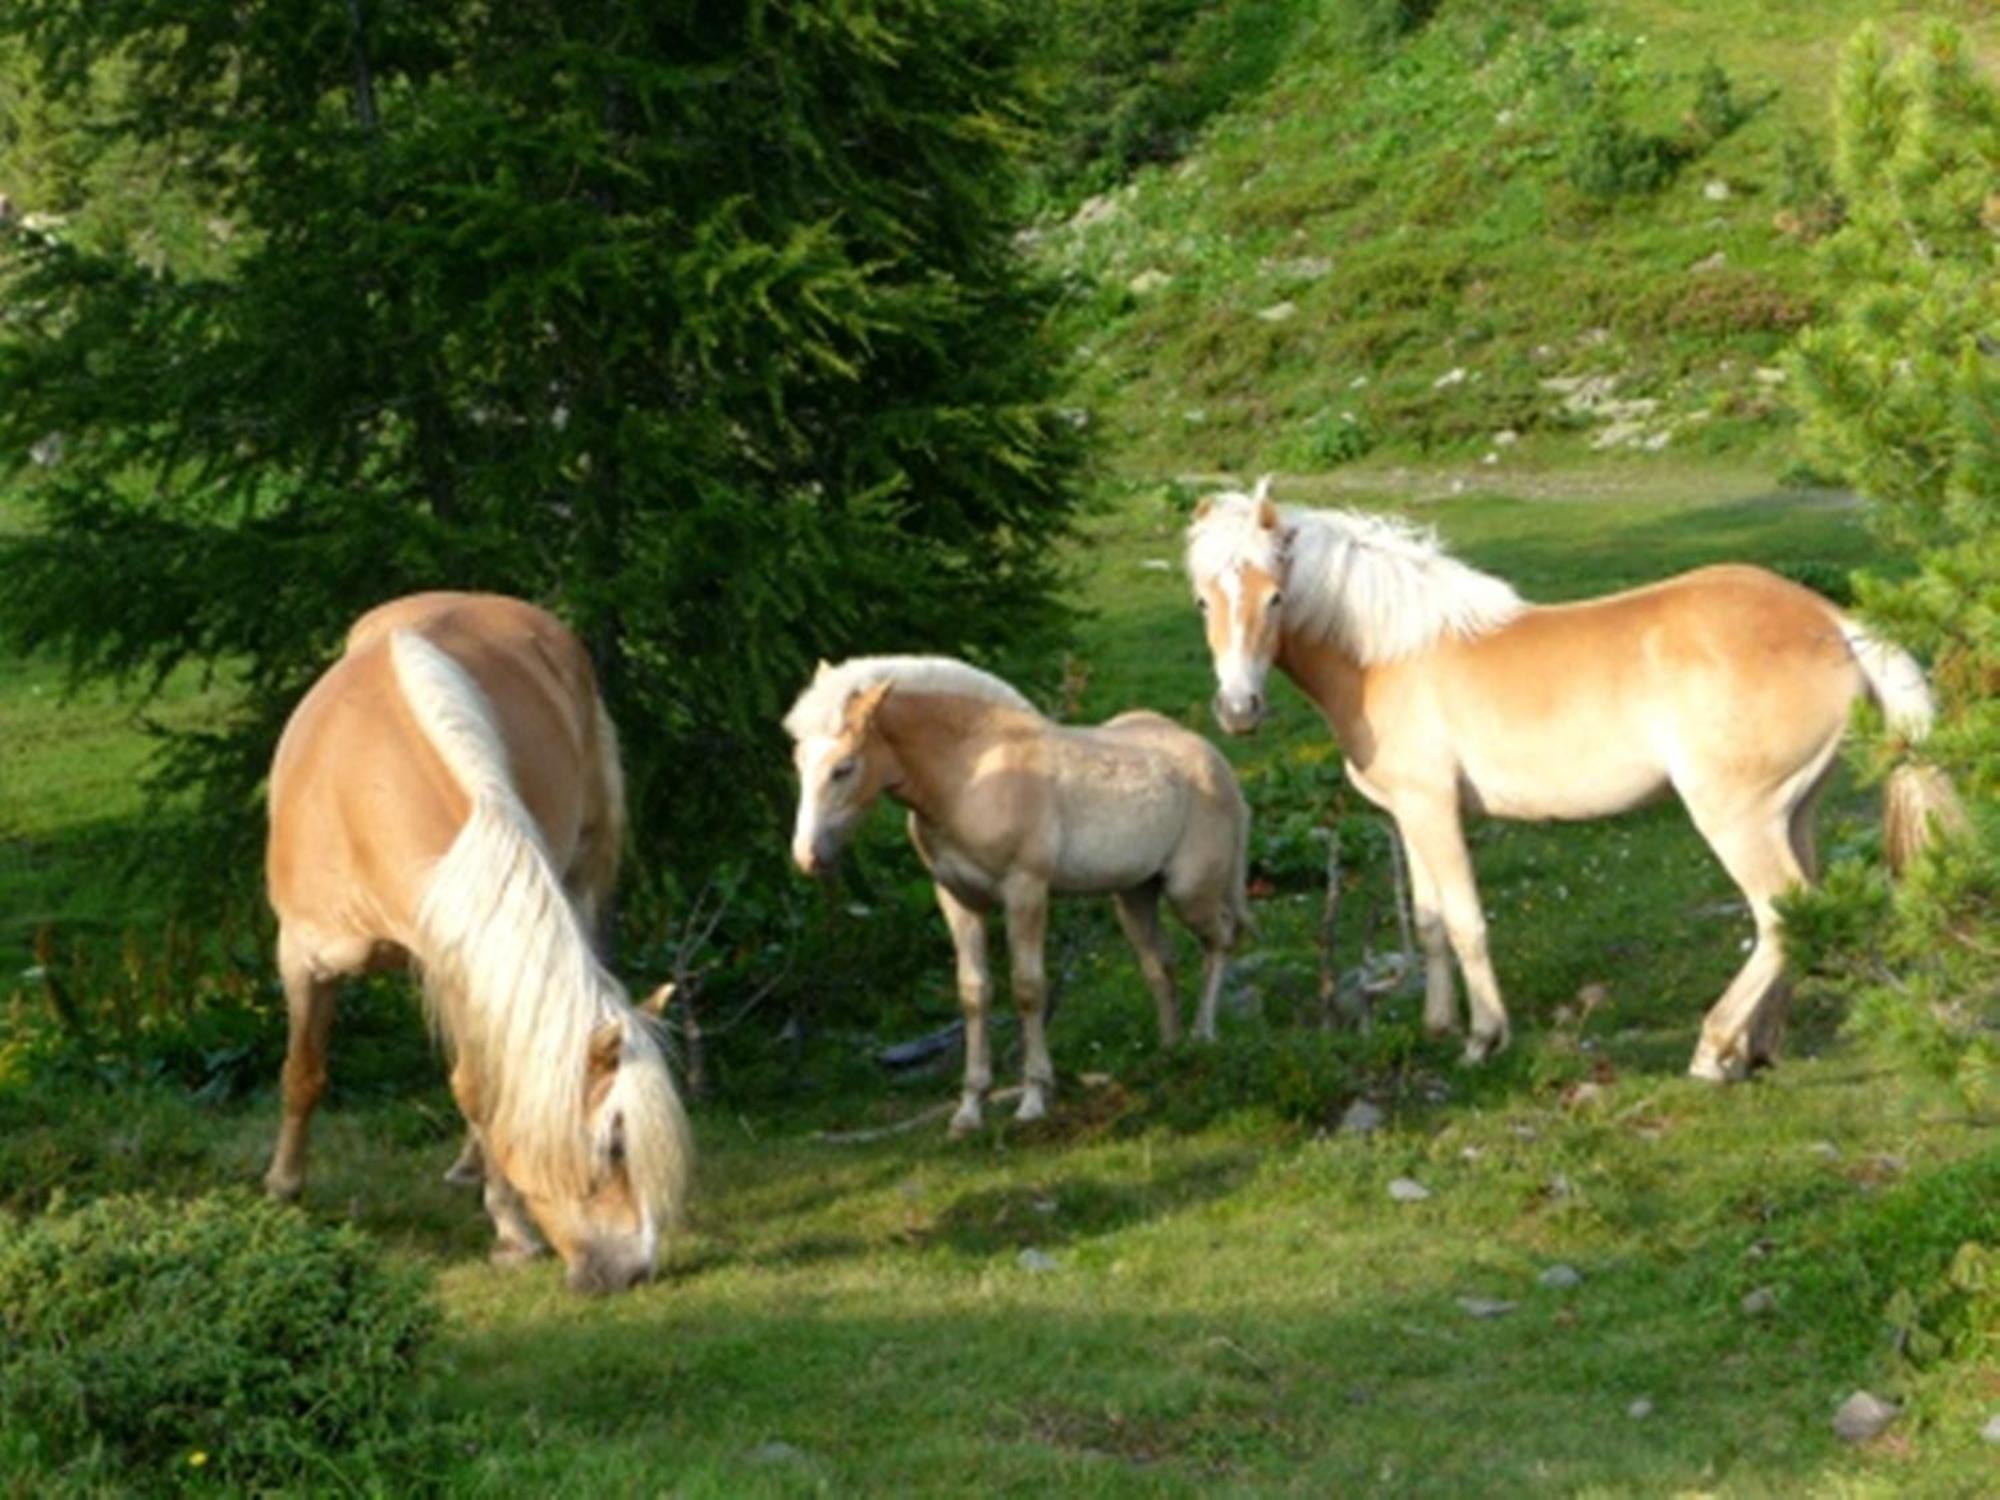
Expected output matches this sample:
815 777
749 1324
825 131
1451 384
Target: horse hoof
284 1189
965 1122
462 1173
1711 1069
1479 1048
1033 1107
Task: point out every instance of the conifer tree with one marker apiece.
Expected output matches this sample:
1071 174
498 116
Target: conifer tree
1901 394
700 323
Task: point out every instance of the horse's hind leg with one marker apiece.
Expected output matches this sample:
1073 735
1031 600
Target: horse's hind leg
309 1007
1767 1026
1209 909
1757 851
1139 915
975 989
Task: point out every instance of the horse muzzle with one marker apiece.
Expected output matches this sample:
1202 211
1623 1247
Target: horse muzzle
599 1272
1239 713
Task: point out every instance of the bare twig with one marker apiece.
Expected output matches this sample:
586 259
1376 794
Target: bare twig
1329 929
915 1121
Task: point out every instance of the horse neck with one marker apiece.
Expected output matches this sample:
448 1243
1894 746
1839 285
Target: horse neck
1334 681
937 741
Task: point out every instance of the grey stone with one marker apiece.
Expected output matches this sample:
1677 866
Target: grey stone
1760 1303
1560 1277
1641 1409
1862 1416
1039 1262
1408 1190
1361 1118
1486 1307
1991 1431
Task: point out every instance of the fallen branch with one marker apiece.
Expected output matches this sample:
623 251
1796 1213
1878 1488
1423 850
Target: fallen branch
924 1117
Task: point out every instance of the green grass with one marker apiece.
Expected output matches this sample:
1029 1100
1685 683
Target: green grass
1236 1304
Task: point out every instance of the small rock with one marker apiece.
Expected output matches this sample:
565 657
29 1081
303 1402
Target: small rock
772 1453
1454 376
1506 437
1361 1118
1408 1190
1094 210
1862 1416
1760 1303
1278 312
1486 1307
1155 565
1713 262
1302 268
1040 1262
1991 1431
1357 382
1770 375
1715 190
1149 280
1194 416
1826 1149
1559 1277
1560 1186
1641 1409
1492 456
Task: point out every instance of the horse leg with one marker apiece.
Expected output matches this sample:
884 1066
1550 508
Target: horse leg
1757 851
1209 910
1435 840
1440 990
1767 1027
309 1006
1139 915
975 989
1027 929
515 1238
470 1168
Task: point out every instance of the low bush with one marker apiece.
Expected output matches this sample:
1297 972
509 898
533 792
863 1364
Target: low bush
143 1339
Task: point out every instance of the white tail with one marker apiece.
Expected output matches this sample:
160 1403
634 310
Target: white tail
511 978
1918 803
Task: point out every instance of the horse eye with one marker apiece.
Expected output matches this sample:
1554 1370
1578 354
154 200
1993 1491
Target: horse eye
1277 598
844 769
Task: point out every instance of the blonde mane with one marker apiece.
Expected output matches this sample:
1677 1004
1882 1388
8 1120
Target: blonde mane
820 707
1379 587
511 980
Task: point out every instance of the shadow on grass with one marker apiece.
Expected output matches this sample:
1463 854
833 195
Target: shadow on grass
1296 1373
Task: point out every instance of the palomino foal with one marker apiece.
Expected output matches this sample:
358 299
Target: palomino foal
1006 807
448 794
1449 694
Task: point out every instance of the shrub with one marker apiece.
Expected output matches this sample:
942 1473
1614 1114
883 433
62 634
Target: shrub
140 1338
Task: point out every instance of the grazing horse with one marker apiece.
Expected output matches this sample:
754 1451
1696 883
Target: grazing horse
1449 694
1006 807
448 795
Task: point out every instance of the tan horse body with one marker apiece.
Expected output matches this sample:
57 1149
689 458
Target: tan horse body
448 793
1729 686
1006 808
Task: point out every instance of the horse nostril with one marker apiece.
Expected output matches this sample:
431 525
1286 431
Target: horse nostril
1256 703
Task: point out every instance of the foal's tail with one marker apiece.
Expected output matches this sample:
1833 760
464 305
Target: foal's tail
1919 802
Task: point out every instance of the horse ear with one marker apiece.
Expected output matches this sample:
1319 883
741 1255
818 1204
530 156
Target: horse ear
1267 515
863 704
656 1004
607 1045
1261 490
821 670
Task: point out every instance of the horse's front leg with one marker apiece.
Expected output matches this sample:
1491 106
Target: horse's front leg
1440 990
1436 841
309 1007
975 988
1027 931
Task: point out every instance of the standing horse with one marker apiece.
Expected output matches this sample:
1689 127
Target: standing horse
1006 807
1449 694
448 794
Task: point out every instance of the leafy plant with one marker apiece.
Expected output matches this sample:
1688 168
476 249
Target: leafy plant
143 1341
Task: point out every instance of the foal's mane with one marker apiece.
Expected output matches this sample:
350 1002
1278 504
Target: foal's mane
822 706
1379 587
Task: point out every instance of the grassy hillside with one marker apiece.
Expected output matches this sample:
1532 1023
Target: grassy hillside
1480 232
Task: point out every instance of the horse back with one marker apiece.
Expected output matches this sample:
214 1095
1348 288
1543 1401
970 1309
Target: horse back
362 805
